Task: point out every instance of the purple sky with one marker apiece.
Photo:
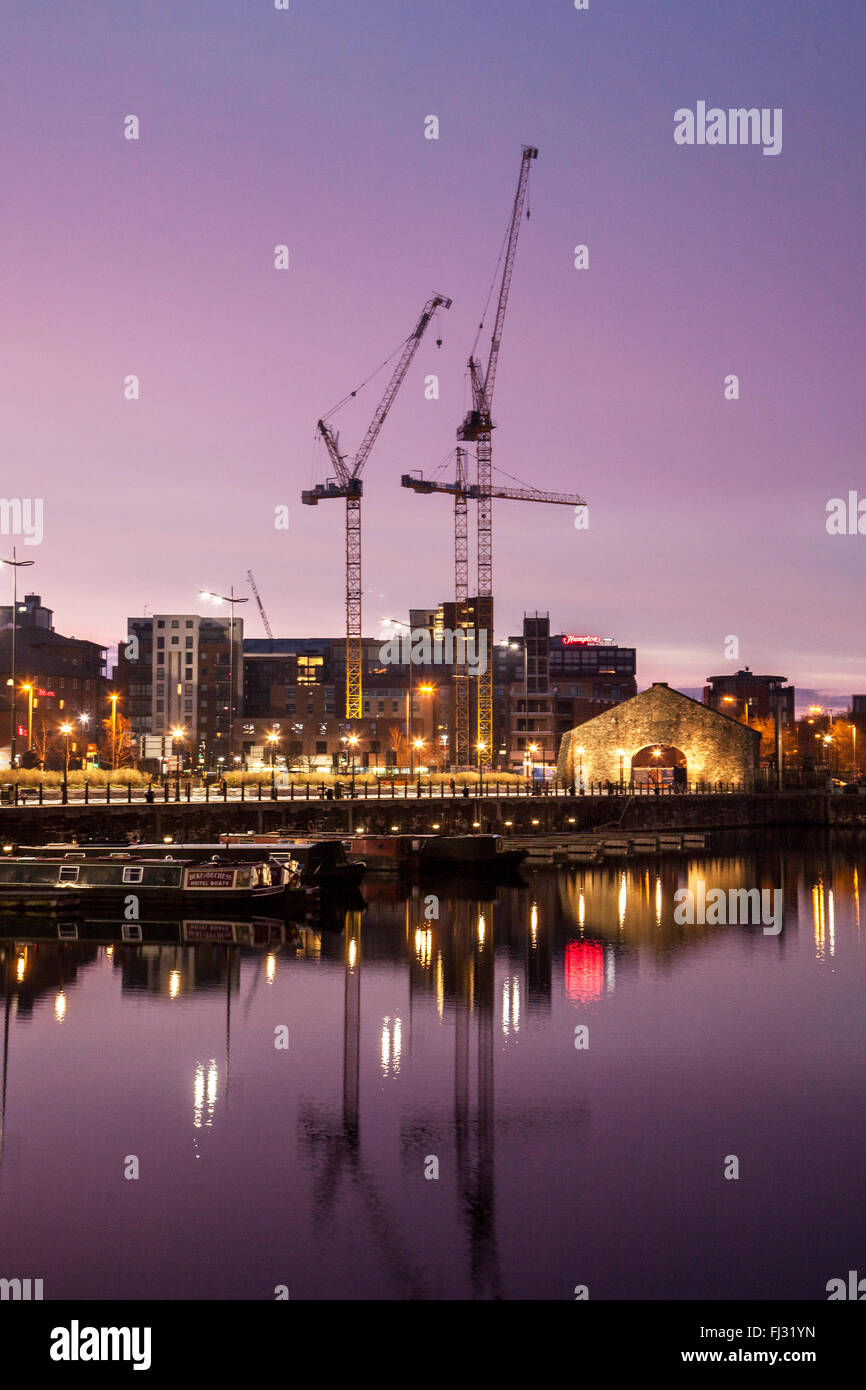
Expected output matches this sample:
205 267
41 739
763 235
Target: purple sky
260 127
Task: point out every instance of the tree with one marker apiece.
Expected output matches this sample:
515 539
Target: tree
123 752
399 743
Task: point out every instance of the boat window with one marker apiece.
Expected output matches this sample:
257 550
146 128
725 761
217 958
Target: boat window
69 873
134 873
131 931
73 856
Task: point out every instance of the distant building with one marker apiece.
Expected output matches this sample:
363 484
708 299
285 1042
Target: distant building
173 671
743 692
67 675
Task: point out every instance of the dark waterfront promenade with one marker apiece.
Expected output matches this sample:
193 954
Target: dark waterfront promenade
524 815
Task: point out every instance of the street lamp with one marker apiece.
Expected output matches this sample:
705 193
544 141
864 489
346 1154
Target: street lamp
745 700
29 689
273 740
580 753
532 750
231 599
353 742
15 566
84 720
114 699
66 730
481 747
177 736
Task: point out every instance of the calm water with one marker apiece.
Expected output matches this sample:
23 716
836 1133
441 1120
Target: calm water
412 1039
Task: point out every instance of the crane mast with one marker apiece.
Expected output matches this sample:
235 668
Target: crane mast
348 484
477 428
261 605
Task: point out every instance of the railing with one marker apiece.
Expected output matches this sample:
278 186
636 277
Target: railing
123 793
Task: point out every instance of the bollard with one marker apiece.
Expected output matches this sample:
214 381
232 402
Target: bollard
40 793
15 793
292 790
225 791
108 792
189 790
207 791
260 791
378 789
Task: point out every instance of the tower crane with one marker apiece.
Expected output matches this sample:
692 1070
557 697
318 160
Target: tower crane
461 490
261 605
348 484
476 428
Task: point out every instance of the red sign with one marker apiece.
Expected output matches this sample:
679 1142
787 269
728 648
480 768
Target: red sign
584 970
40 691
22 730
210 878
582 639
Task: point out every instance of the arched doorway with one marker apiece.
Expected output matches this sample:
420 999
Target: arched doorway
659 765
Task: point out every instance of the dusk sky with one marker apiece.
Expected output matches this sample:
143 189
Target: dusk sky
306 127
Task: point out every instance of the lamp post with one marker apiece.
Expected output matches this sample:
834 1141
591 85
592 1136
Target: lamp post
84 720
532 750
29 689
353 742
15 565
745 700
231 599
273 740
480 747
66 730
177 736
114 699
621 756
580 753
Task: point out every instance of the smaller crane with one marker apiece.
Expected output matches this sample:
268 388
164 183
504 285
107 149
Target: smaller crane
461 490
261 605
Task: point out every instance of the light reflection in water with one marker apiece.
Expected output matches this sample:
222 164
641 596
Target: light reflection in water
204 1094
391 1046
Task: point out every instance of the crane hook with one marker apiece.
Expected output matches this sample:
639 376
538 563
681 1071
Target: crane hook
439 342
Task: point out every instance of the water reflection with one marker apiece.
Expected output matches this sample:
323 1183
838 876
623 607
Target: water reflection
446 1034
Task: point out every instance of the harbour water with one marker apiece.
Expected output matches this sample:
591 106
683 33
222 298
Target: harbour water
462 1091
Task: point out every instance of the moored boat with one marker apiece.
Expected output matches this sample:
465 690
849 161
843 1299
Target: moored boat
164 881
473 855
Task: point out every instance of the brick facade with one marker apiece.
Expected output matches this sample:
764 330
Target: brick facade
716 748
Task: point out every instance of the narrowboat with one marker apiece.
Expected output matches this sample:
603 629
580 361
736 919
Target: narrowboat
317 862
472 855
164 881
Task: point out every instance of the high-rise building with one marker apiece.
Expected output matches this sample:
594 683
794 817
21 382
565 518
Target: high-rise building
174 670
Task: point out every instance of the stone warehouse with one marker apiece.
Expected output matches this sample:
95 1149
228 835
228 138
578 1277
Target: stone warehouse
661 728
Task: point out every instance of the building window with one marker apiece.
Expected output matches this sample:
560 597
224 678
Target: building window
160 706
175 641
160 642
189 622
175 623
160 623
